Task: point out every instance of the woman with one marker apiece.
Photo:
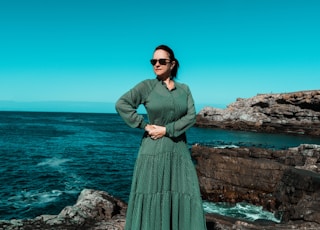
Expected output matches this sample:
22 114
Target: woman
165 191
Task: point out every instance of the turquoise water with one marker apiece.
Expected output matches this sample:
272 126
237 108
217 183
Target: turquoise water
46 159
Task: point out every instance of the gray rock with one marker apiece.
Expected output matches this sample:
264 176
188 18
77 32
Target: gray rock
297 112
93 210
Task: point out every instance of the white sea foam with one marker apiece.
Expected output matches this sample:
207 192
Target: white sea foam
33 198
53 162
243 210
48 197
226 146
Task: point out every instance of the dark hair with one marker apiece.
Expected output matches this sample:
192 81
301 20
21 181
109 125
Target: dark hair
174 71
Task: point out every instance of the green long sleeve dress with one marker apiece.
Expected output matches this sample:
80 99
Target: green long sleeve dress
165 190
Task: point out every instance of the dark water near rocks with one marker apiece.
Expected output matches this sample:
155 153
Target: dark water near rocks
46 159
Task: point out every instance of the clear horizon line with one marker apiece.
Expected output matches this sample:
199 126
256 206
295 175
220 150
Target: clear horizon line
76 106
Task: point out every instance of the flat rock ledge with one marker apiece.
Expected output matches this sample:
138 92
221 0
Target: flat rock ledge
296 113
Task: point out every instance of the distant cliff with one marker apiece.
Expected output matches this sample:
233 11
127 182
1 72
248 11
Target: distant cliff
296 112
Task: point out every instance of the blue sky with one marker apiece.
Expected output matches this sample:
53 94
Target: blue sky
57 53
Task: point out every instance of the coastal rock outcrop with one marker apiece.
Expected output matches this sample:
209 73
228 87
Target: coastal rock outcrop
296 112
95 210
286 182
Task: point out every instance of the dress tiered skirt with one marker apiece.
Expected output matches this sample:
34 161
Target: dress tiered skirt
165 190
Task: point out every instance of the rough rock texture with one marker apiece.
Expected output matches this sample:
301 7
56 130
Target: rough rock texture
297 112
286 182
94 210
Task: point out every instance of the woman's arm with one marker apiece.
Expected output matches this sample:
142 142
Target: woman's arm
128 104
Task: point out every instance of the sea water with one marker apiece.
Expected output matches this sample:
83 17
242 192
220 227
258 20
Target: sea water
46 159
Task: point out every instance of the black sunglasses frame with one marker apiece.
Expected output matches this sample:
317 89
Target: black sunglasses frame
162 61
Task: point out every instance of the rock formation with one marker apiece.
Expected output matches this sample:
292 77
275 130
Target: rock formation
286 182
94 210
297 112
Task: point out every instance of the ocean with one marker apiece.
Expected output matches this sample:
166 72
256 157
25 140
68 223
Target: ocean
46 159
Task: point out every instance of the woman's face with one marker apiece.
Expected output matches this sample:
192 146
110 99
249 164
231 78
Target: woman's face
162 71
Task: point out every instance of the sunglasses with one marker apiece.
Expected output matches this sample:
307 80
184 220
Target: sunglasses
162 61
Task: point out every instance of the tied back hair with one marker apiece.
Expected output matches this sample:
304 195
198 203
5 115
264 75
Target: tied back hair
174 71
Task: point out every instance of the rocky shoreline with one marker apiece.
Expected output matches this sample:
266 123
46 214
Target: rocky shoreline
294 113
95 210
285 182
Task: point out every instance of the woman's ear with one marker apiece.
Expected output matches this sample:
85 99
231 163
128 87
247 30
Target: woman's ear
173 63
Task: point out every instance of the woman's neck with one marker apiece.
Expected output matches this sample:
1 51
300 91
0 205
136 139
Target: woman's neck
170 83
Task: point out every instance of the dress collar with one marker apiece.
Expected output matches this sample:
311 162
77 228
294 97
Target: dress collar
165 85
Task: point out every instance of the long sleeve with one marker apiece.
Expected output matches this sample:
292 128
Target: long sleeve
128 104
176 128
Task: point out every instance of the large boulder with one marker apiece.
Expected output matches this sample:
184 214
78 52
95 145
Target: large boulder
297 112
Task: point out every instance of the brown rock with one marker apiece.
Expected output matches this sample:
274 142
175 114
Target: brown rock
285 182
